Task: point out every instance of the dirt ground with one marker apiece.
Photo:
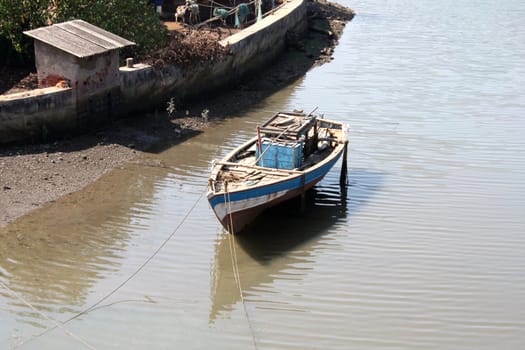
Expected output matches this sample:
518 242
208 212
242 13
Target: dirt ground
33 175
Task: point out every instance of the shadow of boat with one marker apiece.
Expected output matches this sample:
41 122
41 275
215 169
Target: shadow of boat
283 238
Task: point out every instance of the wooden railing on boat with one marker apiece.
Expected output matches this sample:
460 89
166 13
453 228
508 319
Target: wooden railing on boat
264 169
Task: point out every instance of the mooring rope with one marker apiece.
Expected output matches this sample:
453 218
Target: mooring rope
94 306
230 211
57 323
236 274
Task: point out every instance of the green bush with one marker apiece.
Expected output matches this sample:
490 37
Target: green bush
134 20
18 16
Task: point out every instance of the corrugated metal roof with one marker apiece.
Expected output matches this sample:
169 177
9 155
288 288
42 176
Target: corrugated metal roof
79 38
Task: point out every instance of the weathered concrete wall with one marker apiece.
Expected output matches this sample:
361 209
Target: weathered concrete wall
97 109
93 99
144 88
41 114
264 40
53 112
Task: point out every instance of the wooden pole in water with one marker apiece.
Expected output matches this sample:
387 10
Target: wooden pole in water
303 194
344 170
259 141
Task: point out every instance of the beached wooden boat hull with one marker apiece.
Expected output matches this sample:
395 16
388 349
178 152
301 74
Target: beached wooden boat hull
238 208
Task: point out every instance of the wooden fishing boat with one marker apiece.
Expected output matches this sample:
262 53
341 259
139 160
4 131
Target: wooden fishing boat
290 154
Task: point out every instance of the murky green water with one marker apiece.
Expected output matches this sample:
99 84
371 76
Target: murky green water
424 251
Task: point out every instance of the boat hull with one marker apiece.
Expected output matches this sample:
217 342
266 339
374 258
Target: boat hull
237 209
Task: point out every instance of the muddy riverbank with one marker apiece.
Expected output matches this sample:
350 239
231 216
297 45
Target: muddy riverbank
33 175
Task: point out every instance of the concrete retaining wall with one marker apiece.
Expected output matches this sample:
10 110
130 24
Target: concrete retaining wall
40 114
51 112
144 88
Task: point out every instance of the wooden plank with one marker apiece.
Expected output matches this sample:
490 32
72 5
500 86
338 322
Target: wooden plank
263 169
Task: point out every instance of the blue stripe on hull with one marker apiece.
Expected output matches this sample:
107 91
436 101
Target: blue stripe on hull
292 184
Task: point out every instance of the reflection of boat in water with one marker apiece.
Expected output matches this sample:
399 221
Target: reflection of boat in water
269 251
291 153
264 253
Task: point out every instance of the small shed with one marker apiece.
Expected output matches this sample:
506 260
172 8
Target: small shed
79 55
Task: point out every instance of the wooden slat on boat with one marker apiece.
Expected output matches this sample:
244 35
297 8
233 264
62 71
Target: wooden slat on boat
291 125
263 169
246 174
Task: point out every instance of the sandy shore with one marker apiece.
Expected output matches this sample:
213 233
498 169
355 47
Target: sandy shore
33 175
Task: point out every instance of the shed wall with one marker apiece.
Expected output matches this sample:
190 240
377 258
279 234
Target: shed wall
87 75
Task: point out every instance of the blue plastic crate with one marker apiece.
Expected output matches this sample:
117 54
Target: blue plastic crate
281 156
